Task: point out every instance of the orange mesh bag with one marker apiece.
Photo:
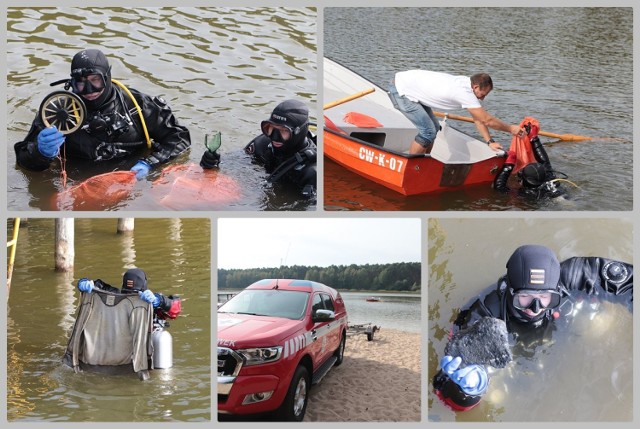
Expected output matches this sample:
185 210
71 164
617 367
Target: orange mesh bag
361 120
521 146
190 187
99 192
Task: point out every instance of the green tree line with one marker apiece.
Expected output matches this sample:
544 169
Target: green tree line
397 277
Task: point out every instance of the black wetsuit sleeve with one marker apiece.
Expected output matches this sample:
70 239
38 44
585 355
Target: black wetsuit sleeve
306 175
260 150
170 139
27 154
487 304
607 278
99 284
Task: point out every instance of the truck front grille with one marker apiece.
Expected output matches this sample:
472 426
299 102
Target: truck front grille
229 362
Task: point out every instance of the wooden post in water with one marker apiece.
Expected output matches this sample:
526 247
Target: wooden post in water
125 228
13 246
125 224
64 244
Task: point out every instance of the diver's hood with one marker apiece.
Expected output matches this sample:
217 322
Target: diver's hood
533 175
294 115
134 280
531 267
92 61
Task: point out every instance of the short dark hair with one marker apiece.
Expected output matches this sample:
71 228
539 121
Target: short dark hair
483 80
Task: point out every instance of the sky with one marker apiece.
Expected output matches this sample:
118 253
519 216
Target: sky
271 242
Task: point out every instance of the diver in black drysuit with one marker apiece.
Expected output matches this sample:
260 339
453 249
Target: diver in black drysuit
286 148
538 179
535 291
111 129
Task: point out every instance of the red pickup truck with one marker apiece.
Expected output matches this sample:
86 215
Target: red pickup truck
275 339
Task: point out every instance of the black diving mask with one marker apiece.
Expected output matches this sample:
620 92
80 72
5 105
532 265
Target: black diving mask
535 299
87 81
276 132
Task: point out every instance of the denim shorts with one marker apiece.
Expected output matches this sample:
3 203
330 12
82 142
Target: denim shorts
420 115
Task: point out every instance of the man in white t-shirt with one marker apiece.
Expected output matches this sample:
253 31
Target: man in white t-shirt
416 92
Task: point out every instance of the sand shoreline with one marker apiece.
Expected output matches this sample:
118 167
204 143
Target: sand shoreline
379 381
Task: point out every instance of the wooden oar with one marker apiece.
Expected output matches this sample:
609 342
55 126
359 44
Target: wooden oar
348 98
565 137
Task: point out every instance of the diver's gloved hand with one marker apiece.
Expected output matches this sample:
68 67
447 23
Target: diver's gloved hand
532 131
49 141
141 169
149 297
472 379
85 285
210 159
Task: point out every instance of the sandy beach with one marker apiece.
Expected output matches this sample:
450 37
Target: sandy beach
379 381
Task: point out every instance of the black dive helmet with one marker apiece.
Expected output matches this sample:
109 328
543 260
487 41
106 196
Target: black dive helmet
533 175
134 280
533 268
294 115
91 62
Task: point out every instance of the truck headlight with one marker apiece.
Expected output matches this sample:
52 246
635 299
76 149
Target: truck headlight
262 355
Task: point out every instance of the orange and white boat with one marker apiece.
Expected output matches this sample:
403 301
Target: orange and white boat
368 136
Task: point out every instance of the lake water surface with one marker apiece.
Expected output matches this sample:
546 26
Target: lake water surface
394 310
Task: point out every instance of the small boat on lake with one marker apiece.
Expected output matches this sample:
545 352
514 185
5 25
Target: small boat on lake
373 299
368 136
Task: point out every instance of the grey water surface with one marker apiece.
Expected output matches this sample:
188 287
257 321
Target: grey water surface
570 68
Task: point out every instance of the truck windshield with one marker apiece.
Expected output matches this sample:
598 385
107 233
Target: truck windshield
268 302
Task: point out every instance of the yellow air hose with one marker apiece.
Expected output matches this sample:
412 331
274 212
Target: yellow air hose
135 103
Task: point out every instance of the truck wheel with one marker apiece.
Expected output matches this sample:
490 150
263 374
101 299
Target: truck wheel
295 403
339 353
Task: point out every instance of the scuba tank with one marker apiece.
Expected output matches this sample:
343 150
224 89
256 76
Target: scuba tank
162 347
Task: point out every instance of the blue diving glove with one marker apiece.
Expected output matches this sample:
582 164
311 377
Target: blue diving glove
141 169
472 379
85 285
49 141
150 297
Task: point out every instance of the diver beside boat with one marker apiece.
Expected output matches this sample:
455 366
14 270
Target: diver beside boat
529 160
